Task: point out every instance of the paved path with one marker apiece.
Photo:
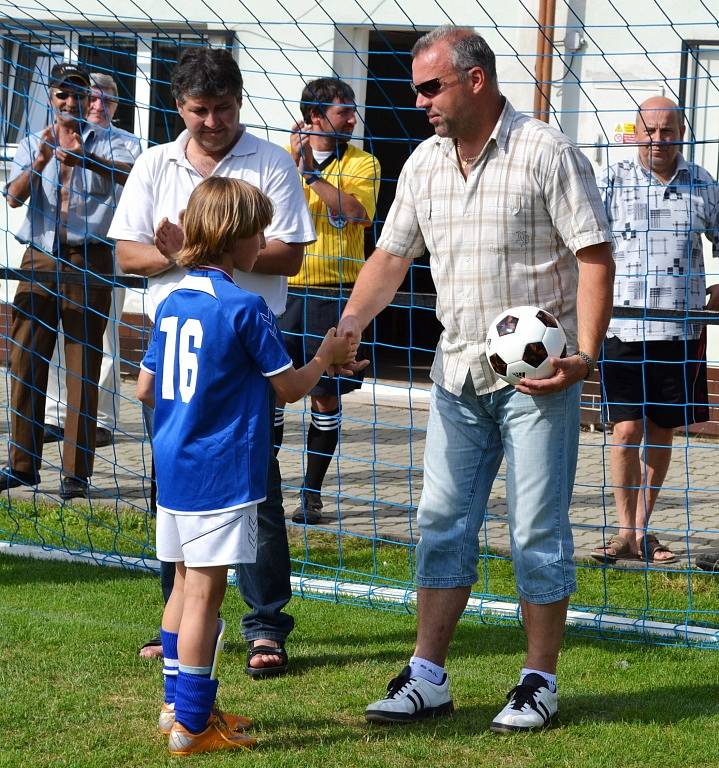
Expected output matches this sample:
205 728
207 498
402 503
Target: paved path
374 487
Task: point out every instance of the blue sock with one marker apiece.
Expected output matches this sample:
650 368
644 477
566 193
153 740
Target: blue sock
427 669
193 700
171 663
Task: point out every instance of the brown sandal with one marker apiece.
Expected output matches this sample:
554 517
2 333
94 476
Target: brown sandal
616 548
649 545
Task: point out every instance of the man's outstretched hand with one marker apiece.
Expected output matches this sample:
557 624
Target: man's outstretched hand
349 327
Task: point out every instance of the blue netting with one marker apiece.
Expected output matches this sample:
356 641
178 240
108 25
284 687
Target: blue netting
606 59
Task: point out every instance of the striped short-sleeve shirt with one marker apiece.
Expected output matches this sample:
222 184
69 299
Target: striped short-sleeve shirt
505 236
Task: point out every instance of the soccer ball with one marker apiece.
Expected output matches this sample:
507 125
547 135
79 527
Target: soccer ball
520 342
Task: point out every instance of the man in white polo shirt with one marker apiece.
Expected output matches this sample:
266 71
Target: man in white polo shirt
207 87
654 371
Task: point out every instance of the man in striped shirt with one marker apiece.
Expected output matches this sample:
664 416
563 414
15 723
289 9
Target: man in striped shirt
510 212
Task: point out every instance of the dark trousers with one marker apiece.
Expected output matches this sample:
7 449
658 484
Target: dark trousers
37 310
264 584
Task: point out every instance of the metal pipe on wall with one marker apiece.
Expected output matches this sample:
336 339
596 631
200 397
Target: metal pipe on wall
543 64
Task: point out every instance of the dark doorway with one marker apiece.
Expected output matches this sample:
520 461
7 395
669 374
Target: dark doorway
405 337
165 123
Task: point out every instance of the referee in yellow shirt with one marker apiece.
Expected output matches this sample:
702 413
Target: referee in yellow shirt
341 184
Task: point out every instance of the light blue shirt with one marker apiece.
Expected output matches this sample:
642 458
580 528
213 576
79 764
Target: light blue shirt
129 140
93 196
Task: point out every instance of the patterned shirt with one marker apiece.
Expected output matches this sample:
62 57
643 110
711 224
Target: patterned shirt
338 253
506 236
657 230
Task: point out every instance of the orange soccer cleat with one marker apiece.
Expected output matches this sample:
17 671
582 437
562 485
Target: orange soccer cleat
233 722
216 736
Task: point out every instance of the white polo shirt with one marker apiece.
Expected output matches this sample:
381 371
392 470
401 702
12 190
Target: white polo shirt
160 185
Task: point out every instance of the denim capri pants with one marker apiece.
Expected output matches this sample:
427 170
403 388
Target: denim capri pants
467 437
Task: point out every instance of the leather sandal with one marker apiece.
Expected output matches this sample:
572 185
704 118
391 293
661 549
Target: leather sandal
616 548
154 647
272 670
649 545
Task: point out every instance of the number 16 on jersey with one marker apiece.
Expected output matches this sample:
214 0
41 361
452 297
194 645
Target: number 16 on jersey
190 337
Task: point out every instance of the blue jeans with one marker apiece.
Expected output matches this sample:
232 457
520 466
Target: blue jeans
467 436
265 584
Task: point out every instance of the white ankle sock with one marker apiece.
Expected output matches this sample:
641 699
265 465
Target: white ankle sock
551 679
427 669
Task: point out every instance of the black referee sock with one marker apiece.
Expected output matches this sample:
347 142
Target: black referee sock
322 437
279 426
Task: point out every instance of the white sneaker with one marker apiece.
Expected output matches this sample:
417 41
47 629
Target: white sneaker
166 719
411 698
532 706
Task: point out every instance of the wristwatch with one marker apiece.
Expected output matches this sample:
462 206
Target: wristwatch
311 177
590 361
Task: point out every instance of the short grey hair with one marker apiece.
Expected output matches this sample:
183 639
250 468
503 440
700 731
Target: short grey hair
104 82
467 47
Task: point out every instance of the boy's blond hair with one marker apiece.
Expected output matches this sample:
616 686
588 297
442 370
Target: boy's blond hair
219 212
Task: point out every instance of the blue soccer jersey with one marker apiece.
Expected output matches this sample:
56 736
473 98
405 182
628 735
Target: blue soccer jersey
213 347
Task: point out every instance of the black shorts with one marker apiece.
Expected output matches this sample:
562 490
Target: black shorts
666 381
305 322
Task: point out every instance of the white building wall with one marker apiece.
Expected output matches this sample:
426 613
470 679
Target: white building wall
630 51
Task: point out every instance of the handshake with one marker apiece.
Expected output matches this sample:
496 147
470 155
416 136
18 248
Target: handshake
338 352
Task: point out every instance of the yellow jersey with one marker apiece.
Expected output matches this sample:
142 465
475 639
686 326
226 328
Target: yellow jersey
337 255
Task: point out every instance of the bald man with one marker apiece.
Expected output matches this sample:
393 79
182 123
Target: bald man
654 372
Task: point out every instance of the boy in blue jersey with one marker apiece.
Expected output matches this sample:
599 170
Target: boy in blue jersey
214 349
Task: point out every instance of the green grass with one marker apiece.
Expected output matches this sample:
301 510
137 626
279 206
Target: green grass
74 693
670 596
96 527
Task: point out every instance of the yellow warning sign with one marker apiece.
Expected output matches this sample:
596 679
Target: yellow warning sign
624 133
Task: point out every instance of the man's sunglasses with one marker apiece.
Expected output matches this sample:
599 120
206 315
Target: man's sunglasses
62 95
430 88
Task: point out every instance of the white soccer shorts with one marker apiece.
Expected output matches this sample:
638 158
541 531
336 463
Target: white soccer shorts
204 541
